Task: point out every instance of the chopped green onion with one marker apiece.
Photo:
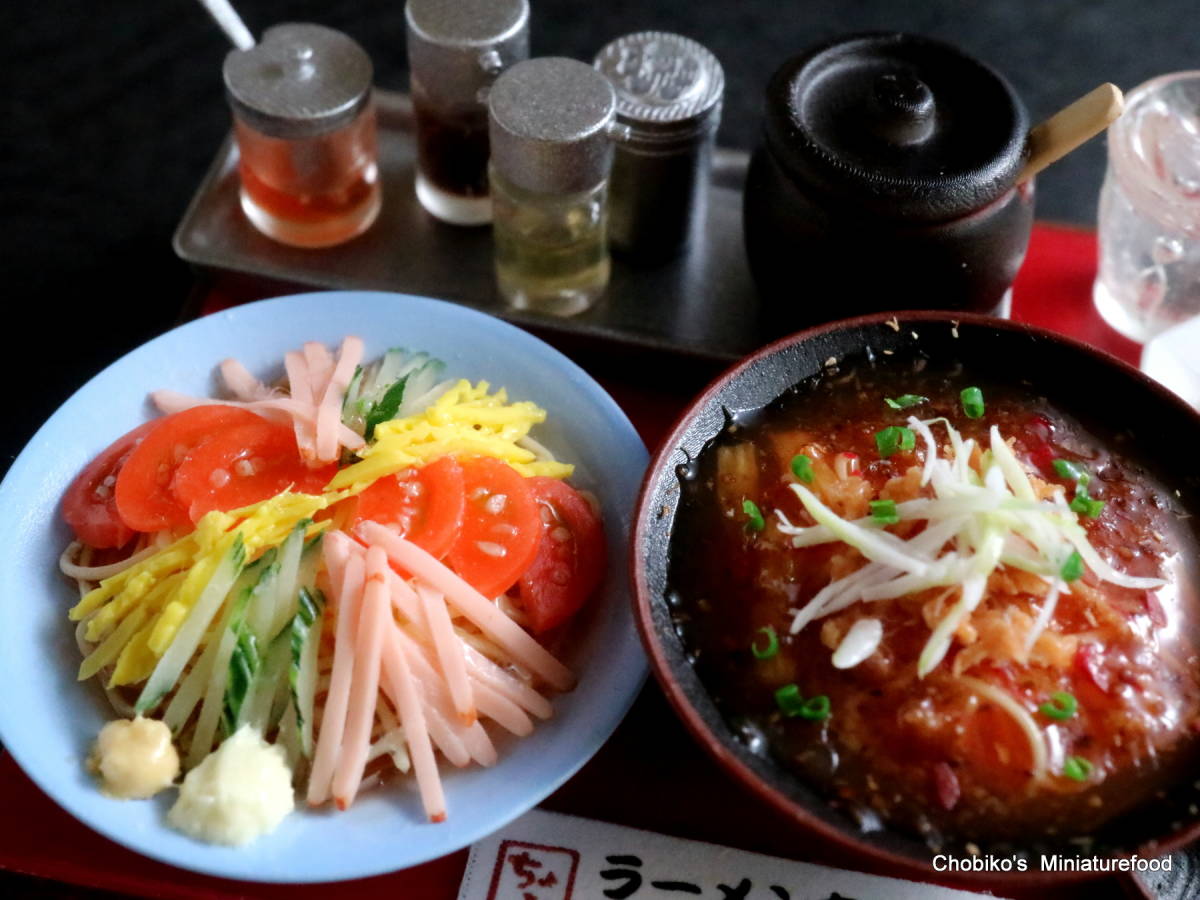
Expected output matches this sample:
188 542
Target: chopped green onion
893 438
1061 706
1077 768
772 644
1071 470
884 512
802 468
815 708
972 402
1084 504
756 523
1072 569
904 401
789 701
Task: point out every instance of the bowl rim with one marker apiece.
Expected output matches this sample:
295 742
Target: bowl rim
717 745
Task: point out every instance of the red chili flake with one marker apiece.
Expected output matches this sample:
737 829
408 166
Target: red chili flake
945 784
1087 661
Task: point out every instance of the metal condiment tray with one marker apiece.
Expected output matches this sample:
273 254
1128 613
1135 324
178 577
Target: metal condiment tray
701 305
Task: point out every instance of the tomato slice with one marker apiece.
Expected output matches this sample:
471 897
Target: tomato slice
500 528
145 499
90 505
243 465
569 564
425 505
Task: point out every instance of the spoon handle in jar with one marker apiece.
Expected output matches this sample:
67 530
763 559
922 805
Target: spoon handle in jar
1071 126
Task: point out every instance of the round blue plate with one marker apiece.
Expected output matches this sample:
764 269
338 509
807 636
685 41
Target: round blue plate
48 720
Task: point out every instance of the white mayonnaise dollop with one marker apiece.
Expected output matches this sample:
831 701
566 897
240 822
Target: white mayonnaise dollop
239 792
134 758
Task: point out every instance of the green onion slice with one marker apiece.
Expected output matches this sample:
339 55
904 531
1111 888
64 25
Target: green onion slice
1061 706
904 401
972 402
1085 505
815 708
1072 569
772 644
884 512
1071 470
755 517
893 438
802 468
1077 768
789 701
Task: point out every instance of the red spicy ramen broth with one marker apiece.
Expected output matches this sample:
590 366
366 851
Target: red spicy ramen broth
937 755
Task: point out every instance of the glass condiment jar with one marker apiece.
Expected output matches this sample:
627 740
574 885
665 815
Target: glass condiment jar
669 91
305 130
1149 217
456 49
886 180
552 121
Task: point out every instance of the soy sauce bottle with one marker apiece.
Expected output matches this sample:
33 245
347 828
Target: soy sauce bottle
886 180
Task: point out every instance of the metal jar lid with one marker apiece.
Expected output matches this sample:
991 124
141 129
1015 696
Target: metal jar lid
549 125
300 81
669 87
456 48
895 125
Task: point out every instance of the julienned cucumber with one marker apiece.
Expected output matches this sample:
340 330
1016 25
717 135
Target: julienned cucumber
389 389
284 600
305 640
241 640
191 632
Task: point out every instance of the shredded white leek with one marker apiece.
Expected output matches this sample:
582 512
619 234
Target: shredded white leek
976 521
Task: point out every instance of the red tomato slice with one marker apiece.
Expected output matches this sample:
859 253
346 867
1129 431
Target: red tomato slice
145 499
569 564
90 505
243 465
500 530
424 505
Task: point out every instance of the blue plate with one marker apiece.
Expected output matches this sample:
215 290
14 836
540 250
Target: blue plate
48 720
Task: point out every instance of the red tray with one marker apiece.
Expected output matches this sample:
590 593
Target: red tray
649 756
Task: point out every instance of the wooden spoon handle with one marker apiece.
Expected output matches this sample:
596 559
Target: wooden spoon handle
1071 126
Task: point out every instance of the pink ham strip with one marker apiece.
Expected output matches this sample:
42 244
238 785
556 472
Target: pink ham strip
329 411
472 604
449 652
491 702
483 671
399 681
242 384
480 746
444 728
364 685
333 723
296 367
320 366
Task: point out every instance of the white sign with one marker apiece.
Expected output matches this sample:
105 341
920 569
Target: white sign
547 856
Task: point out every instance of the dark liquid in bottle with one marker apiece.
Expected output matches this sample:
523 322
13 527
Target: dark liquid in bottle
453 150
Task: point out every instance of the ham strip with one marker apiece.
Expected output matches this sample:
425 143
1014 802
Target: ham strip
472 604
398 678
329 411
374 620
333 723
242 384
449 652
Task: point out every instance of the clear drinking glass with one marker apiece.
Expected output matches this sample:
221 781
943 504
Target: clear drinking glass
1149 222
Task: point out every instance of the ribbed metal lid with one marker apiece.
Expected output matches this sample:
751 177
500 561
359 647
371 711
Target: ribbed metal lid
549 121
301 80
901 126
667 85
457 47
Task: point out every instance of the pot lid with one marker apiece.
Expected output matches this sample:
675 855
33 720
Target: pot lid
897 125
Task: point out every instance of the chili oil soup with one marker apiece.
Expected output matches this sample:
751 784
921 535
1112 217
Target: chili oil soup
1066 695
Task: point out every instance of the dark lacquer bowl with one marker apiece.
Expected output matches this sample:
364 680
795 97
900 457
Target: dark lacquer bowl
1111 398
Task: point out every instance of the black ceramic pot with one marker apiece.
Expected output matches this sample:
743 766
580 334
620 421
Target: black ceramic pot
886 180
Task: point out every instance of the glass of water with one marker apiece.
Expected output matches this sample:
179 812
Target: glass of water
1149 221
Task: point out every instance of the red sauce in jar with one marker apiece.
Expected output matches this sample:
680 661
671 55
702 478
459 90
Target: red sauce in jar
943 755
